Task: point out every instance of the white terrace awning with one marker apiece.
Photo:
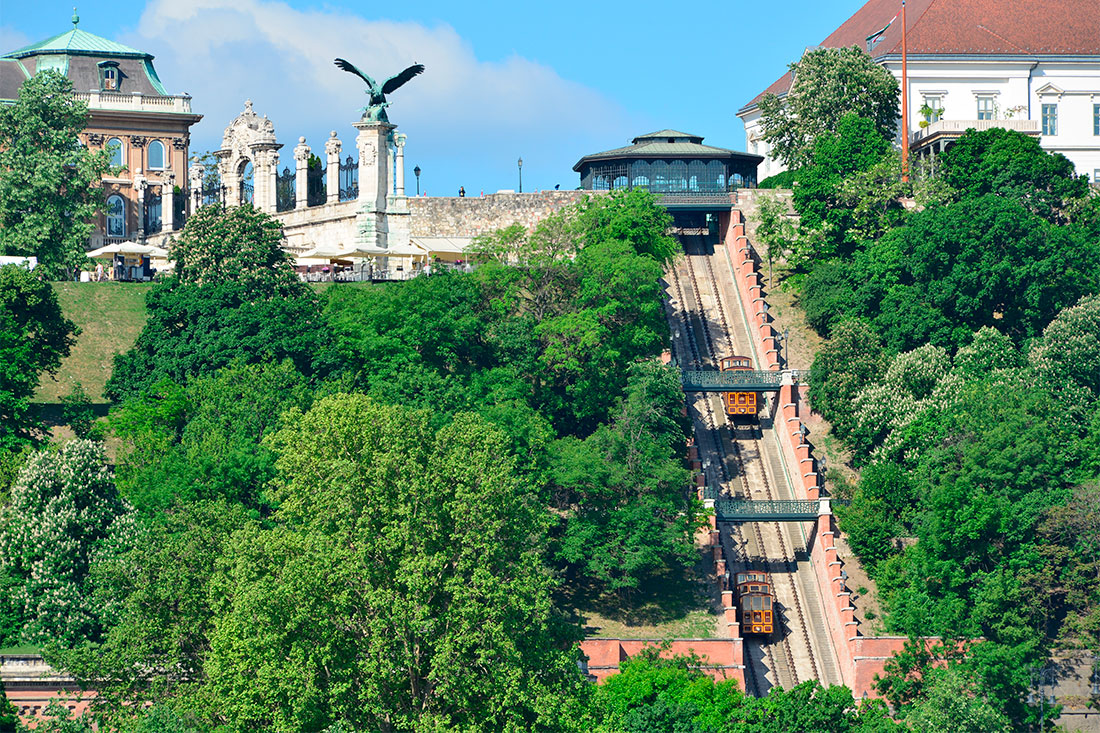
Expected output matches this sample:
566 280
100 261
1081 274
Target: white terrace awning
443 245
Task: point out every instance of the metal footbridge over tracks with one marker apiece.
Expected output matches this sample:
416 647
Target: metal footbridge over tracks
796 510
732 381
741 380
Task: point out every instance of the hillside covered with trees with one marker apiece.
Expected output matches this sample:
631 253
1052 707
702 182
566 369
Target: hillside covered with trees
962 371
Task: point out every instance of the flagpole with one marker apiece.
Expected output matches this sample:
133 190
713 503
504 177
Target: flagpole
904 99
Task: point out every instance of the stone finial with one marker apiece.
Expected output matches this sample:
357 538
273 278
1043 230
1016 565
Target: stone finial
301 150
248 107
333 145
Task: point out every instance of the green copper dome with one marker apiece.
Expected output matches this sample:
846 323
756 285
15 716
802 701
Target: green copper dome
78 43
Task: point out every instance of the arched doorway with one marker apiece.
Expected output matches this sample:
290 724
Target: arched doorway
245 176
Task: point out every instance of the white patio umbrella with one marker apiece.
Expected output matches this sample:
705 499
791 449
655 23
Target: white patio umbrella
127 248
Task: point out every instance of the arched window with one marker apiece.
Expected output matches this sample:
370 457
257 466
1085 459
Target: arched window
118 158
156 155
110 78
116 216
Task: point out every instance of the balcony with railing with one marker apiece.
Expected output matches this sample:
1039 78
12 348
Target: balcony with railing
135 102
954 129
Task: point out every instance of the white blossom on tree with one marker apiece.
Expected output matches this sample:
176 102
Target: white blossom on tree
63 505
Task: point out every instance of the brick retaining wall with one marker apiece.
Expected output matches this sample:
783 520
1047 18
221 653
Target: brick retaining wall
860 657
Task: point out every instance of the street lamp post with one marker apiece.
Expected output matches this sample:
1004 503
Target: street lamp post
1044 677
520 164
416 172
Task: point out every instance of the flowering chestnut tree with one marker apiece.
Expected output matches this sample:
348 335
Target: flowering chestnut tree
63 509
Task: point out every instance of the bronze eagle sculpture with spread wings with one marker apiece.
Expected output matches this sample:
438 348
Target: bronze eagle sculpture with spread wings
375 111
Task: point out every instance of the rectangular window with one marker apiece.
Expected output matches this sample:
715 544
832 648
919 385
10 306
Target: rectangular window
985 108
1050 119
933 104
1096 176
1096 119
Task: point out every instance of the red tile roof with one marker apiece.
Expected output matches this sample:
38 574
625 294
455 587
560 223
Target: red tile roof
1017 27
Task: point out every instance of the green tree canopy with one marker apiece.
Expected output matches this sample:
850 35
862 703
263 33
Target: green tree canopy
203 441
401 589
829 83
838 157
652 694
236 245
1012 165
34 336
629 516
50 186
233 297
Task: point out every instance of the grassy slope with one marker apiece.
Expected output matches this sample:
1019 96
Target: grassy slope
110 316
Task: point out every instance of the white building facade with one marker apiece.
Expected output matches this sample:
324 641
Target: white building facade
1025 65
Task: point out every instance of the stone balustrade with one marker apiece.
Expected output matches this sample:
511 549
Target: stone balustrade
135 102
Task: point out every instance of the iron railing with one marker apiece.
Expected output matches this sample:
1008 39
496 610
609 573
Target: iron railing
315 186
349 179
285 190
733 381
779 510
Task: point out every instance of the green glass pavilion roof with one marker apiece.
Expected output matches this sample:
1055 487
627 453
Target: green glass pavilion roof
666 144
78 43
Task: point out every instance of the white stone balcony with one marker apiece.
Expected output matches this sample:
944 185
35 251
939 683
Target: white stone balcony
135 102
953 129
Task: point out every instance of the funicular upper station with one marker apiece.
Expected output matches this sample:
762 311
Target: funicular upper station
692 180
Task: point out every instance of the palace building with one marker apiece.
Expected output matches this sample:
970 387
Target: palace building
974 64
131 114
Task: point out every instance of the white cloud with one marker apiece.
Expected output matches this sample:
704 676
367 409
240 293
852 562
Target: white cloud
11 39
462 113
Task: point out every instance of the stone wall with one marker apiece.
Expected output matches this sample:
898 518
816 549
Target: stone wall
748 202
329 225
473 215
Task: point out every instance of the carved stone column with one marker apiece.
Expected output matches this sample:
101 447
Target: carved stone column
371 143
228 177
140 184
195 175
168 215
301 177
398 223
265 158
332 155
399 162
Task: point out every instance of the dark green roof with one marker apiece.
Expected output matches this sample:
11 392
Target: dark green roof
670 144
668 136
78 43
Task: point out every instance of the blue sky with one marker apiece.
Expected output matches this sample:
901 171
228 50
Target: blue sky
548 81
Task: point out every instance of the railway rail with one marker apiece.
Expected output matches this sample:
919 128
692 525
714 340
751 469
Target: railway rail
702 332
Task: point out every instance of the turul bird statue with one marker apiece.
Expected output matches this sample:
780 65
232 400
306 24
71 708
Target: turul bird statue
375 111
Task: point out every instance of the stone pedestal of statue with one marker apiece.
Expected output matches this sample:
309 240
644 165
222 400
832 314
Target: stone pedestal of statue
372 142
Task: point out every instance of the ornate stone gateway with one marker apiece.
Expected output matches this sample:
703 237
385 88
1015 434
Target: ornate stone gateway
357 201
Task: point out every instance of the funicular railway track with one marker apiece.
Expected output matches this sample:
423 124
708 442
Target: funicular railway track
701 328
